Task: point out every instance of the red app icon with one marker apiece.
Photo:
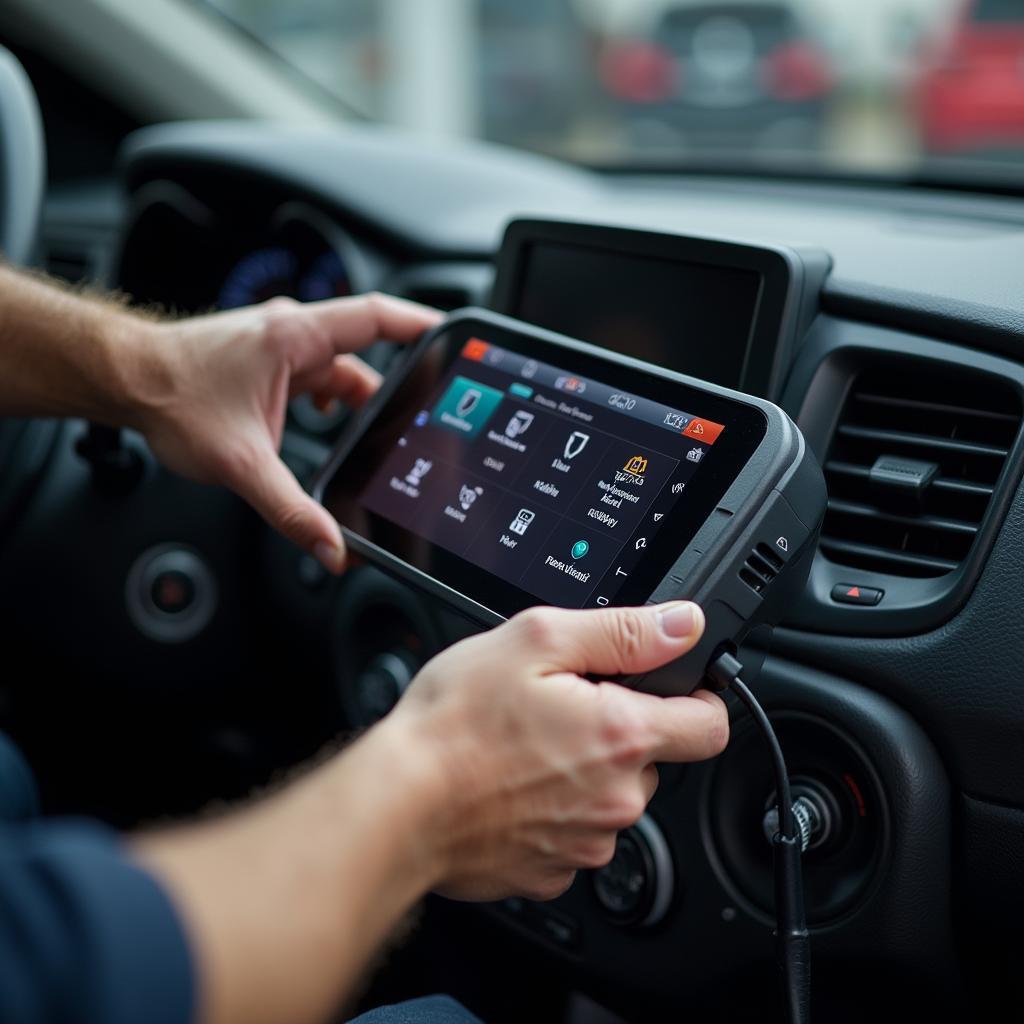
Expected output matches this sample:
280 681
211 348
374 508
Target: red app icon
475 349
703 430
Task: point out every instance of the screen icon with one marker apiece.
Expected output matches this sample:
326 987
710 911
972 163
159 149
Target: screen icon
675 420
475 349
421 467
522 521
519 424
641 543
573 384
602 601
468 401
619 571
467 495
421 418
658 516
678 488
576 443
695 455
580 548
706 430
637 465
529 370
466 406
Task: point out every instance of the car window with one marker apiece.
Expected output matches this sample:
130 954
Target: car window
890 87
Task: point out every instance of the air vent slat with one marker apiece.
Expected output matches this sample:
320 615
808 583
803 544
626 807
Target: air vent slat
930 522
894 559
939 483
935 407
898 437
961 421
962 487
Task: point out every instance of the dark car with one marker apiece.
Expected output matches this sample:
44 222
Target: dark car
722 75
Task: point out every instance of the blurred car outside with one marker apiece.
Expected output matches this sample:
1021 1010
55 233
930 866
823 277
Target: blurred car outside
969 93
723 75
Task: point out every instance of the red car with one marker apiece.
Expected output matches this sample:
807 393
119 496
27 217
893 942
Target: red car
970 92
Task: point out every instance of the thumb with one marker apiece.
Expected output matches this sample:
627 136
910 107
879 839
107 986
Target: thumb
611 641
272 490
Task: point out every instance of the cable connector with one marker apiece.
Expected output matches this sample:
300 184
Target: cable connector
724 671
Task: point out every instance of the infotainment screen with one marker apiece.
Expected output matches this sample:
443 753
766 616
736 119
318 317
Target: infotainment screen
721 311
690 318
520 473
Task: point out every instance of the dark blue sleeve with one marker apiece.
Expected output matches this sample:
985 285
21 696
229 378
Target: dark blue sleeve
86 935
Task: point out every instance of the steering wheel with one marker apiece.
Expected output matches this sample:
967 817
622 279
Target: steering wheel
22 162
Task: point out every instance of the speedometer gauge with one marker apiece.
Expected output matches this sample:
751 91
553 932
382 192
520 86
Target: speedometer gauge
258 276
327 278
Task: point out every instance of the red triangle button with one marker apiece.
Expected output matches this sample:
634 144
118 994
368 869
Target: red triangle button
853 592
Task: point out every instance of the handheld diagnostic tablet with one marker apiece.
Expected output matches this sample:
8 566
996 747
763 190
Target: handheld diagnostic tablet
502 466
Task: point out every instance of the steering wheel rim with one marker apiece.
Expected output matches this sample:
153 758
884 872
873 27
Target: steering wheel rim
22 162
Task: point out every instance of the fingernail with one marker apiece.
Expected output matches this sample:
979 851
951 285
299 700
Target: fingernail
329 555
678 619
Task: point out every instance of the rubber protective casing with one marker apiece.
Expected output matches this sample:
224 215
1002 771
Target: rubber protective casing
775 503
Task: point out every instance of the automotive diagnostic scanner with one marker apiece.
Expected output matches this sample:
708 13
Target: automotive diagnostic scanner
503 466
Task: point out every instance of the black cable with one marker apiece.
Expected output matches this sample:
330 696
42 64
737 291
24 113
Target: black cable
792 940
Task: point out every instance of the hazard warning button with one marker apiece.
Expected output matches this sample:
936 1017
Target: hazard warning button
853 593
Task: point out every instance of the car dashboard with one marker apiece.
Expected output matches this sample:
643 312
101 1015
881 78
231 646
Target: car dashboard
894 684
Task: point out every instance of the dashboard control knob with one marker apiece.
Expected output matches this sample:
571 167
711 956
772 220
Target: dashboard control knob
170 593
635 887
383 681
816 815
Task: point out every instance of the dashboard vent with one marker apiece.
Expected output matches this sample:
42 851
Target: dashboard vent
914 461
760 568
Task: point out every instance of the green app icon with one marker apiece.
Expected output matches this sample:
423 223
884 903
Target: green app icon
580 548
466 406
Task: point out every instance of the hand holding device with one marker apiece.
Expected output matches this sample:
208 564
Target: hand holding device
541 767
213 407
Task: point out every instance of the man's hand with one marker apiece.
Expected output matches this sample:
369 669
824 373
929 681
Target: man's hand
501 771
219 406
210 393
542 767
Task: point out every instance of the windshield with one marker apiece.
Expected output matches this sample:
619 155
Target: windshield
882 86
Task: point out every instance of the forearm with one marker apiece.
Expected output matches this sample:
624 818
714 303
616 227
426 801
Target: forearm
65 354
287 901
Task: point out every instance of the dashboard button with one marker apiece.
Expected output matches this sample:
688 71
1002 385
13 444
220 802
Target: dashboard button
172 591
635 887
853 593
622 886
561 929
544 921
